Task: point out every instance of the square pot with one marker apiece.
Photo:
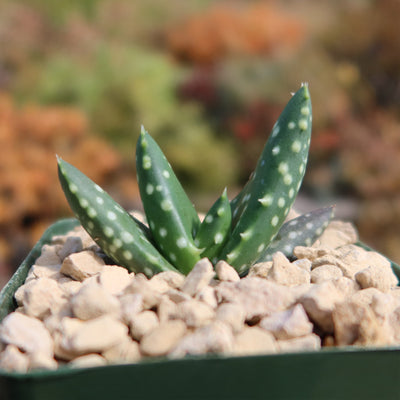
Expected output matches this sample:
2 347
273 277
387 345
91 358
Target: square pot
345 373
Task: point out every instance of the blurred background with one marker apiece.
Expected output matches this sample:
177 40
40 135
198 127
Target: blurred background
207 79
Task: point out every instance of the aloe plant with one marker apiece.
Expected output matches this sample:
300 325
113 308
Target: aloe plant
240 231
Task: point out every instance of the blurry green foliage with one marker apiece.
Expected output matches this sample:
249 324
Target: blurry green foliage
121 88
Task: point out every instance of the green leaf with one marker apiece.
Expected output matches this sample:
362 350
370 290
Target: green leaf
118 234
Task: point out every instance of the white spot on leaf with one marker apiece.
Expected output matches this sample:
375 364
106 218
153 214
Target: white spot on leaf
149 189
181 242
218 238
305 111
276 150
287 179
126 237
303 124
117 243
127 255
296 146
111 216
163 232
92 212
246 234
266 200
166 205
146 162
108 231
83 202
283 168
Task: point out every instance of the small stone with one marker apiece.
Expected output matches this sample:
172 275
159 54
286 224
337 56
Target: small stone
163 339
46 271
96 335
80 266
337 234
114 279
199 277
394 323
195 313
67 328
299 291
257 296
27 333
354 259
92 301
159 285
207 295
125 351
232 314
303 263
78 232
319 303
143 323
12 359
140 284
40 297
72 244
52 322
252 341
177 296
288 324
260 269
41 361
325 273
377 276
167 310
131 304
69 286
48 256
216 337
383 304
330 259
226 272
285 273
173 279
310 253
88 361
304 343
346 286
355 323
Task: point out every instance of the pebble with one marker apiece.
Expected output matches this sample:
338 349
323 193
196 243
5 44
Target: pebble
92 301
82 265
199 277
253 340
288 324
74 309
163 339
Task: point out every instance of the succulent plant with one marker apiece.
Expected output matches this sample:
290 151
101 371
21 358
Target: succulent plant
240 231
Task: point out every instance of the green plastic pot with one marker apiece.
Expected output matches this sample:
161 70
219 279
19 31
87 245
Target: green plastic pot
347 373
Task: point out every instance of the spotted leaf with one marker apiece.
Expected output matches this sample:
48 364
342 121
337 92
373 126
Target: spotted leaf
215 228
172 219
261 208
301 231
119 235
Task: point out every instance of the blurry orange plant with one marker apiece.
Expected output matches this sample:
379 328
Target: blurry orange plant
30 197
